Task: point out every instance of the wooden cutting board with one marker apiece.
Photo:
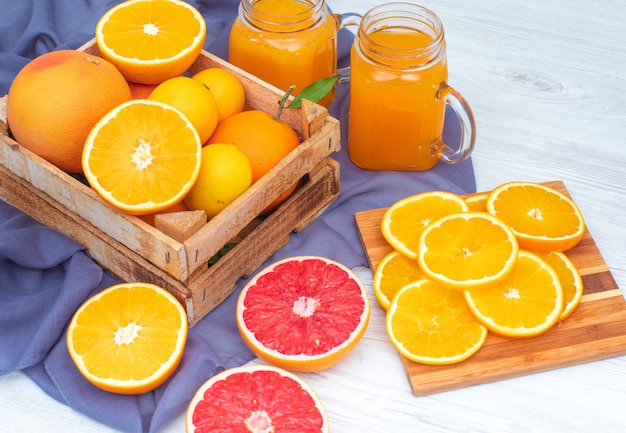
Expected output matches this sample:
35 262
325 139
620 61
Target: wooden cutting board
596 330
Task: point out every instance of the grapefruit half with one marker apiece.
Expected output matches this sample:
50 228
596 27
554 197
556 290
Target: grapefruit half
303 313
256 398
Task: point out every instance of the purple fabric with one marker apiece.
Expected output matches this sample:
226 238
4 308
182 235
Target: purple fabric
44 276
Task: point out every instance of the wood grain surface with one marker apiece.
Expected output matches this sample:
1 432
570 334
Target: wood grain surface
596 330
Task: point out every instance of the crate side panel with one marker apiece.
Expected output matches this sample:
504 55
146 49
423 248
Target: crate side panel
75 197
213 286
116 258
251 203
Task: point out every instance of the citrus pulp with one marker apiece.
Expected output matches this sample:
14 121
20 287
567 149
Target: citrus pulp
541 217
150 41
431 324
405 219
525 304
303 313
467 250
256 399
129 338
142 157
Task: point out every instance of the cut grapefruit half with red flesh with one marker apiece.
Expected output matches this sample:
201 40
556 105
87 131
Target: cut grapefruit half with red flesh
303 313
256 399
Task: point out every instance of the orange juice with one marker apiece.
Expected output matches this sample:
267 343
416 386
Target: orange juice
399 92
399 118
285 42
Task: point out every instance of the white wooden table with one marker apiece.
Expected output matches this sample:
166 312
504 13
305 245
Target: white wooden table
547 84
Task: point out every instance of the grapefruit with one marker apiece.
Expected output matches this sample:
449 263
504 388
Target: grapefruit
257 399
303 313
57 98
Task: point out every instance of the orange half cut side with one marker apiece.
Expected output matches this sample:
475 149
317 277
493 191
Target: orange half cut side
142 157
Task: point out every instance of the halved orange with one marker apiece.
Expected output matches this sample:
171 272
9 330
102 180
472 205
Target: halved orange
129 338
571 282
467 250
476 202
142 157
527 303
151 41
394 271
404 220
431 324
541 217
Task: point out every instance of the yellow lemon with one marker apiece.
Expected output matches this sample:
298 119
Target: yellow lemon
226 89
193 99
225 173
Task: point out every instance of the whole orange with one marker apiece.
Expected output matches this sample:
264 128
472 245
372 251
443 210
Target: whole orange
262 139
57 98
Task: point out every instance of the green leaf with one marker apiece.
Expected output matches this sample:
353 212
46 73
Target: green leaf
222 252
315 91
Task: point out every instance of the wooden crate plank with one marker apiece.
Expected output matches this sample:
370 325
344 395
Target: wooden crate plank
265 238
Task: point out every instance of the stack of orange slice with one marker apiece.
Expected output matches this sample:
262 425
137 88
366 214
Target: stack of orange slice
501 253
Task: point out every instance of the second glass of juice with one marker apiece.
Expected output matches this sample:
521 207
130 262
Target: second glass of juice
399 92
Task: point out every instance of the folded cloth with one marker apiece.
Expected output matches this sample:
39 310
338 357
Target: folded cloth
45 276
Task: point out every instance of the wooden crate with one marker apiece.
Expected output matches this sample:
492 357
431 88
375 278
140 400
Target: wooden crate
133 250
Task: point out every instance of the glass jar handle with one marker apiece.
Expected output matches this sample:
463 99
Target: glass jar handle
468 127
349 19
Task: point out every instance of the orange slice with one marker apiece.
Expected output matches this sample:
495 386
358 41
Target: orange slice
467 250
256 399
404 220
431 324
476 202
571 282
142 157
129 338
541 217
303 313
527 303
151 41
393 272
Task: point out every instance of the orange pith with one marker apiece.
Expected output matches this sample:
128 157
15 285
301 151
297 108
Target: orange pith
394 271
142 157
403 221
527 303
470 249
151 40
129 338
431 324
541 217
303 313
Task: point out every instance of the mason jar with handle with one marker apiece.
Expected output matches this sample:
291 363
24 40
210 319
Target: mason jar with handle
399 92
286 42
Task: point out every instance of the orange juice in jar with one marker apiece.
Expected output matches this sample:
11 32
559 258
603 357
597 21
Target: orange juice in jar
399 92
285 42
